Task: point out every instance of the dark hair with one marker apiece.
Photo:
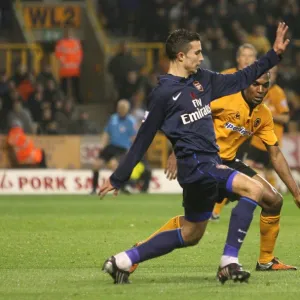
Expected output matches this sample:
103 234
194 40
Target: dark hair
178 41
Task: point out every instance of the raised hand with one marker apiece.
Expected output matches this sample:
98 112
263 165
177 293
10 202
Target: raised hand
281 42
107 187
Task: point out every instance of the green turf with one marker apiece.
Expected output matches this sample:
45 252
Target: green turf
53 248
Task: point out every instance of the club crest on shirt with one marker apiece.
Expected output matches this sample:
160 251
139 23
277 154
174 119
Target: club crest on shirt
198 86
256 122
193 95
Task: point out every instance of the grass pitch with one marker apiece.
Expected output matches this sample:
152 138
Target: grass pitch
53 247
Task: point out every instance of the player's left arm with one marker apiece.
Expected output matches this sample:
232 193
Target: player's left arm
227 84
223 85
283 170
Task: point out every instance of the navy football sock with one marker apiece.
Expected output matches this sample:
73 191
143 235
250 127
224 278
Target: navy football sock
160 244
240 220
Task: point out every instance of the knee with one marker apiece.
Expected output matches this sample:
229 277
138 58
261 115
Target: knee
247 187
192 241
277 203
254 190
272 203
191 237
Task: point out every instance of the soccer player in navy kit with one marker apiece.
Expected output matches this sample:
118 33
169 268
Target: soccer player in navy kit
180 107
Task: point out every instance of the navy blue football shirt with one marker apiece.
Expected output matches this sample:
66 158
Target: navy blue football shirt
180 107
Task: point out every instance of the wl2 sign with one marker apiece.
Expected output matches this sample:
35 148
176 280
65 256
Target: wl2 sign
47 17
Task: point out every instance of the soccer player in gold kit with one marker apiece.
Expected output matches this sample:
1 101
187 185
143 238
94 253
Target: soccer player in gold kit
258 156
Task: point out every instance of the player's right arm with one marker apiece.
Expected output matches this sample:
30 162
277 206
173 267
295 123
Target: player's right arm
152 122
267 135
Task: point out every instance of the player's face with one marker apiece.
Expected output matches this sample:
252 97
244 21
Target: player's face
193 58
246 57
256 92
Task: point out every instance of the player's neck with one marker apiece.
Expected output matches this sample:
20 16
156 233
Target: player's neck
250 104
176 69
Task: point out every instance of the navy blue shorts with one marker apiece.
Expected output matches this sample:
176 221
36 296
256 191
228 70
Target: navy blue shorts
204 180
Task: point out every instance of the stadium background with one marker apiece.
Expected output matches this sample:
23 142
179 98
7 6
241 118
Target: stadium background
122 56
53 246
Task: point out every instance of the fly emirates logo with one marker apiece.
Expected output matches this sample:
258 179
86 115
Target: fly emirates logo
198 114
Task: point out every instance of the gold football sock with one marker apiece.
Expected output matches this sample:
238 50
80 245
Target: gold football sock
173 223
218 207
269 229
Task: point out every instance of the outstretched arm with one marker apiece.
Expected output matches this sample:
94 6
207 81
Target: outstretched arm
282 169
152 122
226 84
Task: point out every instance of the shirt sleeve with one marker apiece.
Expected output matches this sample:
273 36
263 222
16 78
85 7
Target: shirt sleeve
153 120
266 131
226 84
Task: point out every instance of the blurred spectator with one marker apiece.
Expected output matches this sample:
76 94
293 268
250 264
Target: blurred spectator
290 12
83 125
132 85
248 15
259 40
122 63
129 16
65 117
52 94
21 115
24 82
294 104
45 75
222 56
6 11
2 118
4 87
109 14
48 124
36 104
69 53
21 149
